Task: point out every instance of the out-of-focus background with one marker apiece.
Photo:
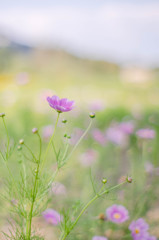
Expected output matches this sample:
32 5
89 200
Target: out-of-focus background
104 54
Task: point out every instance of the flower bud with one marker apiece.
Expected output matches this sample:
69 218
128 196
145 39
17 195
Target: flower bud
2 114
21 141
92 115
104 181
65 135
129 179
68 136
34 130
64 121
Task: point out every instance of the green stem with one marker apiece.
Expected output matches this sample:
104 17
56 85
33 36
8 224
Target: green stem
51 139
83 135
30 216
63 237
29 150
8 140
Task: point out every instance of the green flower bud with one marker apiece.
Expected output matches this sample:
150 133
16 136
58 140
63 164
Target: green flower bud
64 121
129 179
21 141
34 130
92 115
104 181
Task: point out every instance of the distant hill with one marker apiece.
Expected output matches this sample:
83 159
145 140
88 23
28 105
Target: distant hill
10 50
6 43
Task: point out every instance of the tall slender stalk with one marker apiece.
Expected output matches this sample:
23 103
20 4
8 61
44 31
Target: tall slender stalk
8 139
80 139
34 194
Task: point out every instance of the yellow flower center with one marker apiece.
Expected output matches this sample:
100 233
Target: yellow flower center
137 231
117 215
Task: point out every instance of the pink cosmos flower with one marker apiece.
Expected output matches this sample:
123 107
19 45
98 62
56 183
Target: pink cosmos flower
58 188
51 216
139 229
117 214
149 167
146 133
88 158
116 136
60 105
99 238
99 136
127 127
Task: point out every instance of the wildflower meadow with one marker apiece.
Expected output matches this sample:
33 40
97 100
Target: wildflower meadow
79 120
95 181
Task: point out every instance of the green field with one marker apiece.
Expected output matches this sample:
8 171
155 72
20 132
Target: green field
125 95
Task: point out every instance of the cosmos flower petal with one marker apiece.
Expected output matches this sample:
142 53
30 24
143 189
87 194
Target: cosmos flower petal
60 105
117 214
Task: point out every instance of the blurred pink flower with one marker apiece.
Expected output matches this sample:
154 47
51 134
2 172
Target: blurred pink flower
22 78
97 105
60 105
146 133
117 214
99 136
75 136
88 158
51 216
47 132
115 135
127 127
99 238
149 168
58 188
139 229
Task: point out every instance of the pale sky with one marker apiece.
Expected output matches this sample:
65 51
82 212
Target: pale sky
122 31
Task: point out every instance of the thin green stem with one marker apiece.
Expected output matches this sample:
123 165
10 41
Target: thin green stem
30 216
53 146
29 150
53 178
63 237
2 155
51 139
83 135
8 140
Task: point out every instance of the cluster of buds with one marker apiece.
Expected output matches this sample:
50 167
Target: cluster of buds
67 136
